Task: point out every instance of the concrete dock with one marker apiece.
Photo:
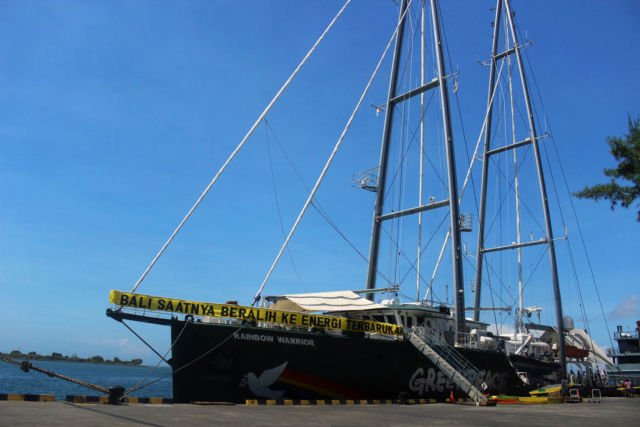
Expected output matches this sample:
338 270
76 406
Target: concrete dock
610 412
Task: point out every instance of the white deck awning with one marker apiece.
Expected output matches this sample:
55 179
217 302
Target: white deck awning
323 302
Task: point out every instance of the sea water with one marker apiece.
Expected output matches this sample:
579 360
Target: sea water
156 381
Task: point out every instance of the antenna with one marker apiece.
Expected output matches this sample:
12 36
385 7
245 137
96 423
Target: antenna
379 108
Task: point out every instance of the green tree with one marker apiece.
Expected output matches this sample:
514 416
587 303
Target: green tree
627 152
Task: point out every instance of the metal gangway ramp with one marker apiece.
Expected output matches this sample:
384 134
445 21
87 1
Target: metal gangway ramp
453 364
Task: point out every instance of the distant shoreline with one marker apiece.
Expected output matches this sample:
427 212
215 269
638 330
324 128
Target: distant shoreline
58 357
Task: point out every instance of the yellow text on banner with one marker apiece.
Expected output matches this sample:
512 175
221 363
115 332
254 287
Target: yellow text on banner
195 308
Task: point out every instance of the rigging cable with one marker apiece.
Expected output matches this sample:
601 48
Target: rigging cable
316 204
421 150
471 161
416 130
141 384
404 150
411 141
493 271
566 184
239 146
162 358
414 262
584 246
529 279
398 192
186 365
583 312
482 131
464 134
493 304
504 199
277 200
327 164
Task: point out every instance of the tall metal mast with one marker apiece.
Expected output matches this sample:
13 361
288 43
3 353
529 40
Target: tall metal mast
384 155
454 215
421 173
485 163
543 194
394 98
531 140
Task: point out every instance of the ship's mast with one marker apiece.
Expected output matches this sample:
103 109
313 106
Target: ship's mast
439 83
485 163
384 155
516 182
454 215
532 140
421 172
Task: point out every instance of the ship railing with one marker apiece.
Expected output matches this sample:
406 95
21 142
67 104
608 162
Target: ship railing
143 312
153 314
612 352
626 335
468 340
452 356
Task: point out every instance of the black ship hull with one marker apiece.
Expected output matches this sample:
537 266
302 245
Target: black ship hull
538 372
217 362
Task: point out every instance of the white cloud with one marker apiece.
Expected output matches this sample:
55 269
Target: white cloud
503 329
627 308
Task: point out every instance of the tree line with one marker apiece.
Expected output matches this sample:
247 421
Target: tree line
17 354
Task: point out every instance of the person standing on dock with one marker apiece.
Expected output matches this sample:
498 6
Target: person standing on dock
564 387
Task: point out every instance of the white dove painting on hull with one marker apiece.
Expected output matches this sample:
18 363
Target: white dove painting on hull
260 385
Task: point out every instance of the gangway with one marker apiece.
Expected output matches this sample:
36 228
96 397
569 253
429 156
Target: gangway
453 364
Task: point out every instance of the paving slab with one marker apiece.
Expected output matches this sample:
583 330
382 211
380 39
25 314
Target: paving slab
609 413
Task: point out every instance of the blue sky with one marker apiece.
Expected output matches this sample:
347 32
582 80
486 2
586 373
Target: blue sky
115 115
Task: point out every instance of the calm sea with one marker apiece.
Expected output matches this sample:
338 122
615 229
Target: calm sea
14 380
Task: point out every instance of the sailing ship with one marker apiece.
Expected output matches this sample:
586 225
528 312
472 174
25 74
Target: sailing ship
344 344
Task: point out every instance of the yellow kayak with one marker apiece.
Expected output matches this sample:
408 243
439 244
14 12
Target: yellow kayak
534 399
522 400
553 388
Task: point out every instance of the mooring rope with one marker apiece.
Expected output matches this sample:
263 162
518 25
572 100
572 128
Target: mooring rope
26 366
